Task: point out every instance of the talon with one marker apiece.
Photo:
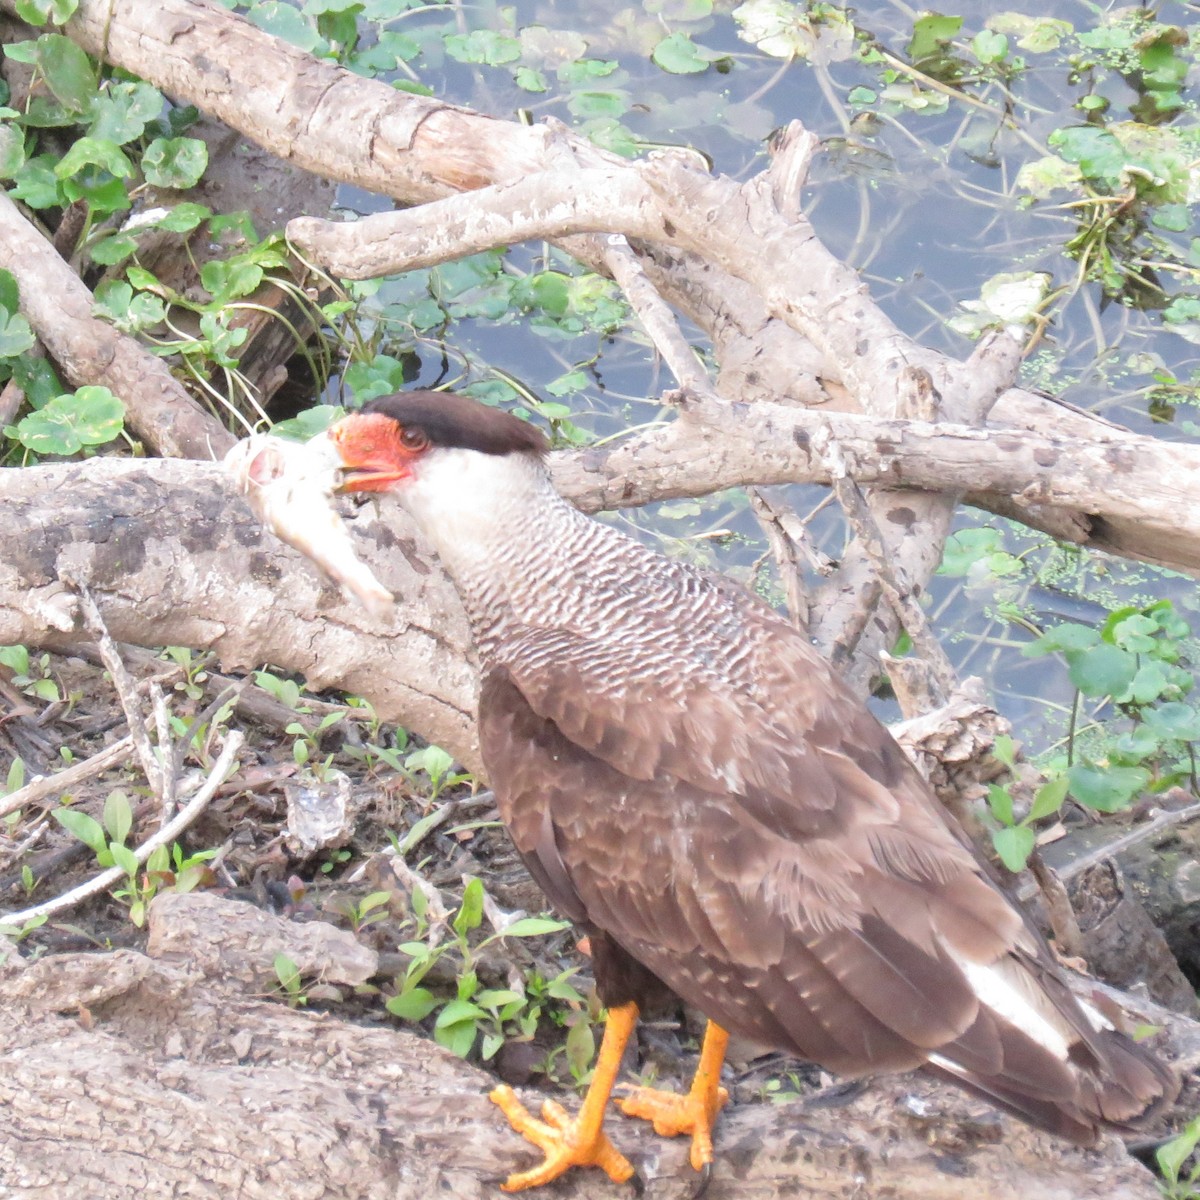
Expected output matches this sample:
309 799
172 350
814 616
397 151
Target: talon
706 1173
693 1113
673 1115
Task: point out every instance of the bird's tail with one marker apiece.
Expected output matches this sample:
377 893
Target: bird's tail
1070 1071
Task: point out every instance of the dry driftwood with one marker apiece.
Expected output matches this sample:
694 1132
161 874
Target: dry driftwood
165 1074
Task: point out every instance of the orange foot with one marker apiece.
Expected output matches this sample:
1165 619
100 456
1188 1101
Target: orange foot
673 1115
695 1113
566 1142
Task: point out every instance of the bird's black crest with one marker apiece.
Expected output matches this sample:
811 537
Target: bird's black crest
448 419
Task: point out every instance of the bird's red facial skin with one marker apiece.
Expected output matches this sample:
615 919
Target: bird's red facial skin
376 452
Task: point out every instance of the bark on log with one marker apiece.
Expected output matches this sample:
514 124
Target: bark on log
173 558
127 1073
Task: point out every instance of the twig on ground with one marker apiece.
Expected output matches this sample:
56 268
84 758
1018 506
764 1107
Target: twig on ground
655 314
171 755
792 152
787 536
28 842
127 692
186 815
38 789
439 914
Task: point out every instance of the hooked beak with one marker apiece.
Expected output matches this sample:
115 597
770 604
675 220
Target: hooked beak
365 450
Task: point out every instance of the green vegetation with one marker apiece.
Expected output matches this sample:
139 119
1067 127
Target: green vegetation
487 1015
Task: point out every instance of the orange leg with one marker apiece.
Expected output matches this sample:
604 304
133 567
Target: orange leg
695 1113
580 1142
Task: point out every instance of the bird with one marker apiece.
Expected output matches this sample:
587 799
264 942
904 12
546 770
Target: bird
695 787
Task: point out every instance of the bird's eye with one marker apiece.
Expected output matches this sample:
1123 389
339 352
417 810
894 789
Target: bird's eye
414 439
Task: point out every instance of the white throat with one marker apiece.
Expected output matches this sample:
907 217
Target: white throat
472 506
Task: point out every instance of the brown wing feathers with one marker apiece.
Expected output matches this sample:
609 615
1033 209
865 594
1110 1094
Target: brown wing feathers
786 870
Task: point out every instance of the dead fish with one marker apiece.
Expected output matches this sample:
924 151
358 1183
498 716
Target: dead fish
289 485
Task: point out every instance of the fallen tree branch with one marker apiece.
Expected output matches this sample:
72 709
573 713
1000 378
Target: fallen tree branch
58 306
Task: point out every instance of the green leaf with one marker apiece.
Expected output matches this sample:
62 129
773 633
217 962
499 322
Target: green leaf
1149 683
15 335
965 547
373 900
588 105
230 280
470 913
113 250
989 47
530 80
16 659
414 1005
1106 789
1174 720
483 46
533 927
677 54
87 829
1096 151
37 380
1000 801
1042 176
90 417
1103 670
287 972
548 290
497 997
46 12
124 858
116 301
458 1039
457 1011
1176 1152
123 110
118 816
12 150
419 830
1063 637
10 293
94 152
68 71
284 21
182 218
1014 844
175 162
1036 34
931 33
1049 798
580 1047
37 184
